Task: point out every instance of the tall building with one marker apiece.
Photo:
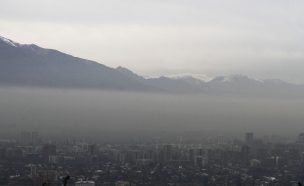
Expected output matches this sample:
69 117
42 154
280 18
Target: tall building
249 137
29 138
301 138
48 152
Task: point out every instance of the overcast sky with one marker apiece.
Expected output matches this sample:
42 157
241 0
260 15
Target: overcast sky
259 38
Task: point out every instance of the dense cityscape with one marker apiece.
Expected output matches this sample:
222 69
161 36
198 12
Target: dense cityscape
31 160
151 93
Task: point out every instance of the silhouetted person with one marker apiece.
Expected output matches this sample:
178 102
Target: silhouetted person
65 180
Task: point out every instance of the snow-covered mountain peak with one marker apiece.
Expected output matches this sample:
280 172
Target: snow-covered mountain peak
189 76
9 42
236 78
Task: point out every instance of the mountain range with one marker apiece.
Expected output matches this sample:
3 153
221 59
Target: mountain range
33 66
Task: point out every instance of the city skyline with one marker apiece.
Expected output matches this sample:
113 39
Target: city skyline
151 93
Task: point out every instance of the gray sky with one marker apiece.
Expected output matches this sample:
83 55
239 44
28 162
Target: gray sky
152 37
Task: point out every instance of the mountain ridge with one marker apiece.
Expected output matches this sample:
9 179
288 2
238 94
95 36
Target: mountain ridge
31 65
